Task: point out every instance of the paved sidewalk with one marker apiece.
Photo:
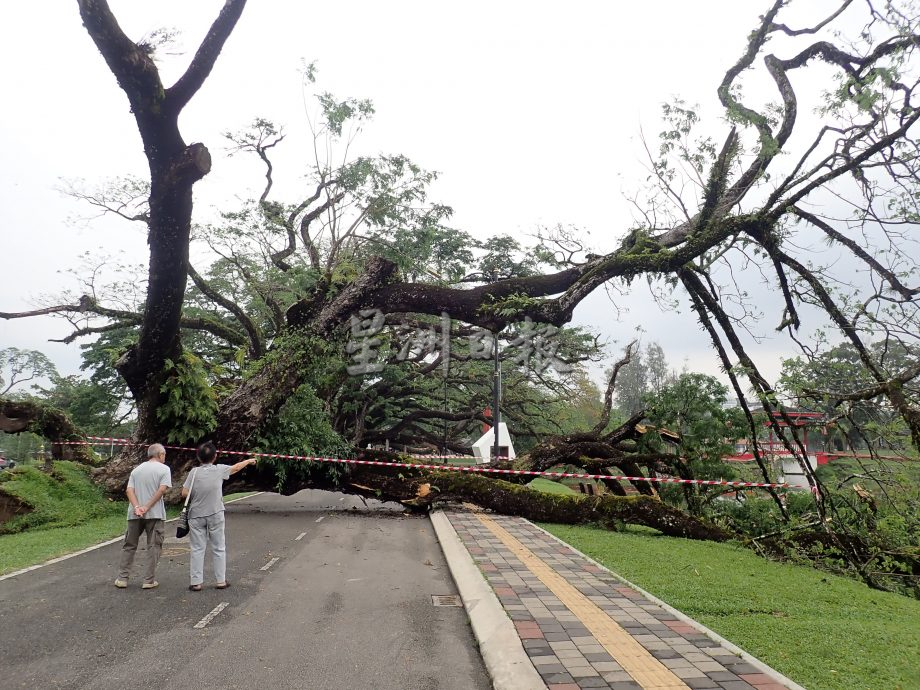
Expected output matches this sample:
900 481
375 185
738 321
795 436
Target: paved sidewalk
583 628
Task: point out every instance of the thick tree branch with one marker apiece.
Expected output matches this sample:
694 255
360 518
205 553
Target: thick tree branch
180 93
256 341
611 384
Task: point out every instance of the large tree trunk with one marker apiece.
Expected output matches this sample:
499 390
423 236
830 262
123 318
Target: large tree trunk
174 169
420 490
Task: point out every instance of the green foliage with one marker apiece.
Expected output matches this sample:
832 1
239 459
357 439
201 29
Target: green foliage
65 497
189 405
881 533
100 357
681 121
822 631
510 306
302 427
90 406
336 113
503 257
431 253
693 406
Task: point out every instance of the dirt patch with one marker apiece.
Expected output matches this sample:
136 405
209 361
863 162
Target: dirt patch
10 507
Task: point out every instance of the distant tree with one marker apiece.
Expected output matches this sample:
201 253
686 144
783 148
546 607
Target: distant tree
658 372
91 407
632 386
18 366
837 383
647 373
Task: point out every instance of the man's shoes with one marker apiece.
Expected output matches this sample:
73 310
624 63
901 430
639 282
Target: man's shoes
121 584
150 585
222 585
194 588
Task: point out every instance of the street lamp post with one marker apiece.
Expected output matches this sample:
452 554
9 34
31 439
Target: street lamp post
497 394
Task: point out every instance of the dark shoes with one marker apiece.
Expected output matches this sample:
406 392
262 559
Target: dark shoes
194 588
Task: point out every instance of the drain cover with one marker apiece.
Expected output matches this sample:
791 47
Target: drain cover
446 600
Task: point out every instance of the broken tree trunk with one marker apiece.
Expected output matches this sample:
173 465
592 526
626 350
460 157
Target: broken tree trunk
419 490
17 416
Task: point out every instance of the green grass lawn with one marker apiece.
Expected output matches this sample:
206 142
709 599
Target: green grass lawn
820 630
35 546
549 486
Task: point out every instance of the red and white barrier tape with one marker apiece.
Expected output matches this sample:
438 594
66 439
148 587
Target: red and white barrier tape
99 440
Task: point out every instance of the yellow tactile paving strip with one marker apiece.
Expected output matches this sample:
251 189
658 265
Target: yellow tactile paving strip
645 669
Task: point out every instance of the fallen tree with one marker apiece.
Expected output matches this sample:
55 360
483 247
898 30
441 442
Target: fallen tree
17 416
420 489
753 201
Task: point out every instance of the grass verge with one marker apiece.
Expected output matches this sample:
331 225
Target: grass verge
822 631
550 487
35 546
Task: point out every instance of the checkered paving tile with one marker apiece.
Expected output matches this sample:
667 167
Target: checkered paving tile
582 628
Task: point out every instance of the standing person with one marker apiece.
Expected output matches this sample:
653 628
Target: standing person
206 514
146 486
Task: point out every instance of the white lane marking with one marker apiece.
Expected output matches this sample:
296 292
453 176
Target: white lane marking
300 536
207 619
270 563
320 519
93 547
243 498
62 558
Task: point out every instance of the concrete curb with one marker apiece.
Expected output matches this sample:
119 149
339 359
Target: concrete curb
95 546
499 642
715 637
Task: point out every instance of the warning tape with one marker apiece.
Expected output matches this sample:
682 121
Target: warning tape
123 441
99 440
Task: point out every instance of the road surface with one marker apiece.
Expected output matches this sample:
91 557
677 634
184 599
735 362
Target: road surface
326 593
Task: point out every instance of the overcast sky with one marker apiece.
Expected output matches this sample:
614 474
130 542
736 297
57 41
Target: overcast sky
531 111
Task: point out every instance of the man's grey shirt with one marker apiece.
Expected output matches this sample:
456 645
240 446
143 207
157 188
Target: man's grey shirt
208 491
145 479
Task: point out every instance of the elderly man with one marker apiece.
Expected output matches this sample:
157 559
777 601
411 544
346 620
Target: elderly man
146 514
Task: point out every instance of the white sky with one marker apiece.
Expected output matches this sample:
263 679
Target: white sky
532 111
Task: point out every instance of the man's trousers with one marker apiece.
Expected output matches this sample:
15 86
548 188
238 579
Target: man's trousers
155 529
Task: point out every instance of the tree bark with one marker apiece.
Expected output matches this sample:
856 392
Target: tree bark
420 490
17 416
174 169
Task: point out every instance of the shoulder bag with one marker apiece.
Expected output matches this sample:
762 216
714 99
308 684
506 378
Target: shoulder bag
182 522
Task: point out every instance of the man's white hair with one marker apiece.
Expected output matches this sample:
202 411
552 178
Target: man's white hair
155 449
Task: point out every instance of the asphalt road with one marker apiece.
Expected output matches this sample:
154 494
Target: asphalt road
348 604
